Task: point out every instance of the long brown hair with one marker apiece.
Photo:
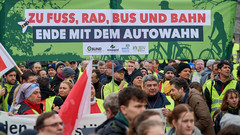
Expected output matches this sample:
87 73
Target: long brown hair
224 106
177 111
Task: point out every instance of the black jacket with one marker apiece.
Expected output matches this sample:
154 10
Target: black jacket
55 83
46 93
233 111
157 101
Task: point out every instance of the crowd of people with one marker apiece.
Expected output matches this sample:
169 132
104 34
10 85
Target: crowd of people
198 97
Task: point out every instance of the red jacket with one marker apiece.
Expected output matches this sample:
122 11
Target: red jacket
28 107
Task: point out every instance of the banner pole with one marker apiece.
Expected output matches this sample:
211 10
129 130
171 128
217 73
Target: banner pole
19 70
4 94
113 73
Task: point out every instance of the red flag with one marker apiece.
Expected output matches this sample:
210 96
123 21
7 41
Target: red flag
78 101
6 61
2 64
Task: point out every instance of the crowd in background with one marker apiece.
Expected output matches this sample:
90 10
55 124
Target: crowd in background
197 97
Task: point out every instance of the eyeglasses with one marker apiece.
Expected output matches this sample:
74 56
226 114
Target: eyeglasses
55 124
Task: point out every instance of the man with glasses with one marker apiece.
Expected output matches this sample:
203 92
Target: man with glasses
51 123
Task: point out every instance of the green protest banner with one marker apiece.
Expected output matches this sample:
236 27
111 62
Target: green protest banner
37 30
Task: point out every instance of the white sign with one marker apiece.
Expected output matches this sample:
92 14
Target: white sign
115 48
18 123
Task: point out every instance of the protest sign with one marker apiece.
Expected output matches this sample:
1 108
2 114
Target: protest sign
18 123
166 29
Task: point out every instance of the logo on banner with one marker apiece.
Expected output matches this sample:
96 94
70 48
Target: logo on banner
126 49
139 48
94 49
113 49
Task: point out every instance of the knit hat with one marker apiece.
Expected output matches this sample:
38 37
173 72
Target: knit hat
52 65
168 68
210 62
67 71
182 66
25 91
109 65
166 87
135 74
58 64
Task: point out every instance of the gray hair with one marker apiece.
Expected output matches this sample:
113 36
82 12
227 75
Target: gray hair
101 63
111 101
199 60
37 63
149 78
149 61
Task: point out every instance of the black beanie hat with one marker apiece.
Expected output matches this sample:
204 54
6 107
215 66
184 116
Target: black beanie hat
182 66
58 64
169 68
136 73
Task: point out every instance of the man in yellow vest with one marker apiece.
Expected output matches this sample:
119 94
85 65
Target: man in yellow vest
10 83
216 89
234 51
119 82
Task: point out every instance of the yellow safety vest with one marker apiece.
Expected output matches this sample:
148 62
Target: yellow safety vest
80 73
108 88
171 106
100 105
9 88
234 72
234 52
35 111
47 104
155 74
205 84
216 98
162 87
